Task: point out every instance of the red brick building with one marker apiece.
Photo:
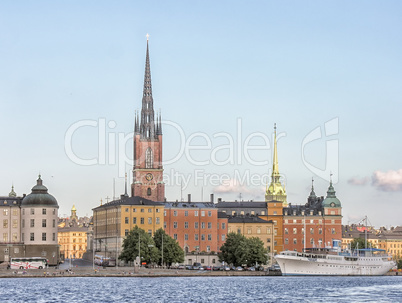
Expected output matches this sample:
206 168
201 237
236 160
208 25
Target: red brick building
320 218
197 226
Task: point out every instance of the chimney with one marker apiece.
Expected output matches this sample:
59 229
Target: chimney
212 198
219 200
189 198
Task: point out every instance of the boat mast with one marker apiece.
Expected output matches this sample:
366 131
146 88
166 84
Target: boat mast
304 240
365 233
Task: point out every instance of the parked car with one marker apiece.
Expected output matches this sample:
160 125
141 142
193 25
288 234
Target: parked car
233 268
274 267
251 268
260 268
197 266
181 267
216 268
207 267
226 268
189 267
239 268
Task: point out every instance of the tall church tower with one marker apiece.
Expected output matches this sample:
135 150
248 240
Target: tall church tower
148 169
276 191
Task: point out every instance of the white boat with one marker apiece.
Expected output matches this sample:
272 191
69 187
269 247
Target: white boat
334 262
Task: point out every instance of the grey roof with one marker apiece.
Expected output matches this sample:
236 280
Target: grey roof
10 201
247 219
125 200
222 214
39 196
245 204
189 205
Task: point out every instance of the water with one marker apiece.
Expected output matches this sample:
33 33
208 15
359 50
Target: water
203 289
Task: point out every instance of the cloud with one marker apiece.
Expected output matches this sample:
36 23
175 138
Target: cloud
358 181
387 181
233 186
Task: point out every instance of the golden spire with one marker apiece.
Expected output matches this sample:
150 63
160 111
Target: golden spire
276 191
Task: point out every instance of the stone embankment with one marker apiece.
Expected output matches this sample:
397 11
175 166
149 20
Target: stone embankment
124 272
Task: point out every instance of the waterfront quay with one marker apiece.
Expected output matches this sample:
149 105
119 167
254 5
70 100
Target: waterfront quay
125 272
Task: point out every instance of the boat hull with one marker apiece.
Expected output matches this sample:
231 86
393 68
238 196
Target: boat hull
333 266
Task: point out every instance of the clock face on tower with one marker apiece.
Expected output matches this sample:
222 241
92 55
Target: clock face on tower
149 177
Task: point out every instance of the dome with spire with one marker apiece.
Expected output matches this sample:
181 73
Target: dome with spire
39 196
331 200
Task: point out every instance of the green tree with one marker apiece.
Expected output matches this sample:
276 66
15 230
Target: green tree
138 240
399 264
358 243
234 250
256 252
172 252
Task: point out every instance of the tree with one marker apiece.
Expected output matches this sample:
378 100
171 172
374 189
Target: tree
257 252
239 250
172 252
138 241
358 243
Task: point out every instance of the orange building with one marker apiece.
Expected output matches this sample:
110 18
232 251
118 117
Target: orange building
195 225
319 218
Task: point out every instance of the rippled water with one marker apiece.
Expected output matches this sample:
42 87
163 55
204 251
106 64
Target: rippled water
203 289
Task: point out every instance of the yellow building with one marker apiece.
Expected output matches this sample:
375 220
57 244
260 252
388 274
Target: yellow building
72 237
253 226
113 221
391 241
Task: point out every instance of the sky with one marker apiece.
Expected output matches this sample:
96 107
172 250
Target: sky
328 73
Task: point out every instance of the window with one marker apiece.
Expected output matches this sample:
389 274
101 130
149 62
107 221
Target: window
209 213
311 241
126 210
186 237
149 158
311 230
158 220
164 225
142 221
15 212
320 231
150 210
202 224
164 213
54 237
5 223
202 237
134 210
54 223
249 230
333 231
294 230
126 220
268 230
23 211
186 213
150 232
149 192
185 224
275 223
43 222
223 225
223 237
134 220
174 224
5 212
32 223
239 231
258 230
175 213
54 211
142 210
32 237
275 213
263 212
196 237
195 224
203 213
5 237
209 225
268 240
149 220
32 211
286 231
286 241
43 211
196 213
157 210
208 248
294 241
15 223
175 236
242 212
43 236
22 237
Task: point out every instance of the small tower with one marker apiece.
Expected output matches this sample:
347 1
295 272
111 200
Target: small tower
12 192
276 191
74 214
148 169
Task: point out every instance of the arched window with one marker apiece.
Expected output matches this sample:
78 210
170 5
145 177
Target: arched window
149 158
149 191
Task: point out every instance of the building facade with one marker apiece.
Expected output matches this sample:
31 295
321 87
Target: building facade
148 170
196 226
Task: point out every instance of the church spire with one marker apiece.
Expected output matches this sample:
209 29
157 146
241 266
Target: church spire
147 126
276 191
